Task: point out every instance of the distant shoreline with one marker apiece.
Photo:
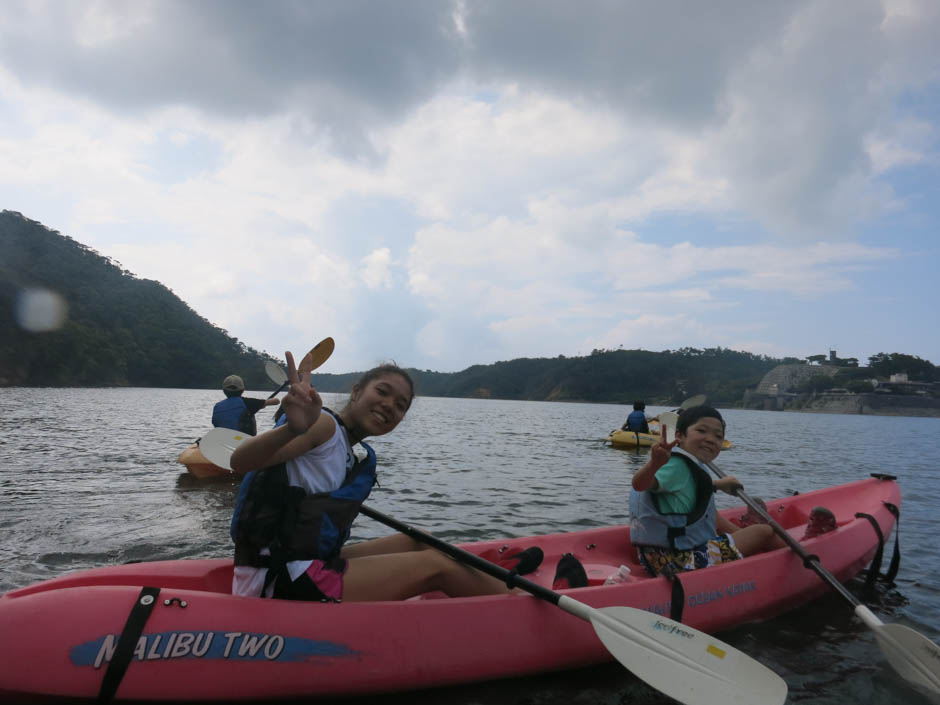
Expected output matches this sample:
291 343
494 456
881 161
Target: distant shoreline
854 404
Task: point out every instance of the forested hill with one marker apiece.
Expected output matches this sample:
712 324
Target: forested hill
604 376
118 330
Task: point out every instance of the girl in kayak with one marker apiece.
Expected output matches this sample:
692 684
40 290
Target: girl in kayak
674 522
308 478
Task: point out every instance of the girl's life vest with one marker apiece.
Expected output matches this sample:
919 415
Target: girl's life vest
650 526
233 413
293 525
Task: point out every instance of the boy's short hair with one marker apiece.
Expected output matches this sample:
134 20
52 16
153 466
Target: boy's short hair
639 405
692 414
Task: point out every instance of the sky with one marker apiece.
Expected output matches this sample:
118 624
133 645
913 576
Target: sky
442 184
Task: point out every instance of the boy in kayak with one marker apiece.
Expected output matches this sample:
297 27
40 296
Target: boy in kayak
637 420
310 476
674 522
235 411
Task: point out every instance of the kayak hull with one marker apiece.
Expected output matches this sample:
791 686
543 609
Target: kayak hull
634 439
202 644
199 466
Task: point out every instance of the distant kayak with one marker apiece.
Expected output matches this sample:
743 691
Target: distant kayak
196 642
634 439
199 466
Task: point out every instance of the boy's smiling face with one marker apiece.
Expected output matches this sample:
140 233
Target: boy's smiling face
703 439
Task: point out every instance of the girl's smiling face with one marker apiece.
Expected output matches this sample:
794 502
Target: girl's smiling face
703 438
380 405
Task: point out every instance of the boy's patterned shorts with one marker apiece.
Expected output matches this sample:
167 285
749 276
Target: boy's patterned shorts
720 549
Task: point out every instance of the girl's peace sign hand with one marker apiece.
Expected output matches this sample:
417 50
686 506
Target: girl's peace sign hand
302 405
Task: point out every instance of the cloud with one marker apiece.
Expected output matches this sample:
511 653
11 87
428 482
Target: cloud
461 182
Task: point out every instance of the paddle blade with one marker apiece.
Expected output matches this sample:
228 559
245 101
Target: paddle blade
911 654
275 372
685 663
668 420
697 400
219 444
319 354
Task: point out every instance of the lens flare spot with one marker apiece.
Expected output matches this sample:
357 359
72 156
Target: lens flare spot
40 310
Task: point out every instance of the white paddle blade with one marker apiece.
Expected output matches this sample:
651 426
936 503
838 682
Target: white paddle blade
219 444
684 663
911 654
275 372
668 420
319 354
697 400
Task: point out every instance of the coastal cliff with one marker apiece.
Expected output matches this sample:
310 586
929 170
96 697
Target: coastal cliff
777 392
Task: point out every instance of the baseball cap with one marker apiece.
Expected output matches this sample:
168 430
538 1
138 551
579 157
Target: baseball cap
233 383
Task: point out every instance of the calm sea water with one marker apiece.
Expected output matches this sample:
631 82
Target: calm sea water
89 477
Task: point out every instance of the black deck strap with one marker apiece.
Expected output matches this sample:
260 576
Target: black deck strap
874 570
511 579
677 600
127 642
896 558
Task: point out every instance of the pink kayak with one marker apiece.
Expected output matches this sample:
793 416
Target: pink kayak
201 644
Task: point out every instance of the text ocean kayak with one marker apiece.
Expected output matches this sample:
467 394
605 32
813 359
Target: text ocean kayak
201 644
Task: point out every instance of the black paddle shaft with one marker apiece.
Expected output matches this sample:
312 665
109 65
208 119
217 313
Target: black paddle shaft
277 391
809 561
461 556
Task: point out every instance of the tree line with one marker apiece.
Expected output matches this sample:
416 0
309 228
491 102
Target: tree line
121 330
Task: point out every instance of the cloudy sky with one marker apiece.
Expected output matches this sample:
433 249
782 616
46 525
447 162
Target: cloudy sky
449 183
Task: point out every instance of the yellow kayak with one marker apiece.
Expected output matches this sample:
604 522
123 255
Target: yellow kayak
634 439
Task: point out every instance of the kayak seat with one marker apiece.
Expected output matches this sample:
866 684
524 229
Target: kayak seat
597 573
792 516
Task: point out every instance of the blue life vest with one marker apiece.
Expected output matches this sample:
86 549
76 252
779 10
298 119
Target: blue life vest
233 413
636 421
294 525
650 526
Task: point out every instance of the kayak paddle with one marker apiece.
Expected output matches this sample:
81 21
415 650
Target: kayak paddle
675 659
277 375
684 663
913 656
697 400
219 444
317 355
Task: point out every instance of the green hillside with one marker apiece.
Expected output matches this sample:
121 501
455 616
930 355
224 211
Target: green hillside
618 376
120 330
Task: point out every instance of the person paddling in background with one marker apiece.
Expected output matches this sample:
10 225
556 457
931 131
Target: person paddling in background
307 479
237 412
637 420
674 522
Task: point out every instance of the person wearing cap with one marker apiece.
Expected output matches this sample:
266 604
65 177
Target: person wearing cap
237 412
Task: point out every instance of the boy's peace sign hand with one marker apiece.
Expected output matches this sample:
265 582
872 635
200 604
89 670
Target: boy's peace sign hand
661 451
302 405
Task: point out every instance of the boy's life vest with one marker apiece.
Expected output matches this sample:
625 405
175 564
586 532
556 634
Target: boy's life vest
294 525
636 421
650 526
233 413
